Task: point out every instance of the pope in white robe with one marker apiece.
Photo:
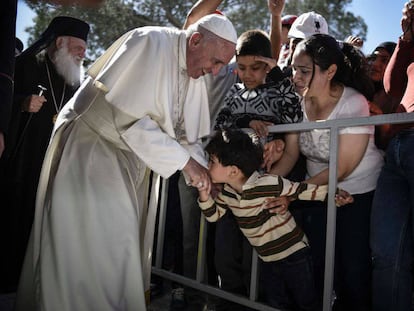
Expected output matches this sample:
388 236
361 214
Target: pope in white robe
143 108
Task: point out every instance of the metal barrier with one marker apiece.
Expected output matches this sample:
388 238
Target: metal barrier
334 126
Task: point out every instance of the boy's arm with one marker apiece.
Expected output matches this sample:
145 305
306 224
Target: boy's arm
303 191
211 210
312 192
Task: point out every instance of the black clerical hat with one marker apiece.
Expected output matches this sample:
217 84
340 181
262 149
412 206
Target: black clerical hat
59 26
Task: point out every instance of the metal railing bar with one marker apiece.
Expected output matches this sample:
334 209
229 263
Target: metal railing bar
201 257
331 221
254 280
161 223
211 290
392 118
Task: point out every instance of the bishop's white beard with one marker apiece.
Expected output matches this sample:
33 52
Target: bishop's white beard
68 66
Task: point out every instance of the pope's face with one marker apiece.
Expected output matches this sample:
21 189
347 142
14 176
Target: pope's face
207 54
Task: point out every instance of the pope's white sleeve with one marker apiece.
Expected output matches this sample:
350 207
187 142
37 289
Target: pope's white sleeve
162 153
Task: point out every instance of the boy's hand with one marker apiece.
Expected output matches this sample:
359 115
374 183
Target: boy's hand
203 191
343 197
215 190
277 205
270 62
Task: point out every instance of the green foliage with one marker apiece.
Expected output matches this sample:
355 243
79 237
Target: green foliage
115 17
245 15
107 23
342 23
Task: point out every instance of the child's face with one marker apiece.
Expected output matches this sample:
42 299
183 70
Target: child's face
218 172
251 72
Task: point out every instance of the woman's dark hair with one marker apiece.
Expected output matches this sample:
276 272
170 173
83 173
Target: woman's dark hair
236 147
254 42
324 51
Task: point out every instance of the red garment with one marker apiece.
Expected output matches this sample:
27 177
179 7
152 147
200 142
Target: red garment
399 79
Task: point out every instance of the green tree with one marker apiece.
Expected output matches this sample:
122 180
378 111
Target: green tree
342 23
115 17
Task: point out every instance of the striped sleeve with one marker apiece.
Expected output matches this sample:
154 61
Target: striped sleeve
303 191
212 210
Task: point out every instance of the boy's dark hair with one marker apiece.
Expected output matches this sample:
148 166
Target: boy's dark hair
254 42
235 147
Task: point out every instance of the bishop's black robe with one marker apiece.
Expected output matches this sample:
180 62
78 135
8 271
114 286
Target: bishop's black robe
26 144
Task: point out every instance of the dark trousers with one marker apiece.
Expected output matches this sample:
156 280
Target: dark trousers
233 259
289 283
352 278
392 227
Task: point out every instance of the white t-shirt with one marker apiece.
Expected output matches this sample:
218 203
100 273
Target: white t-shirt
315 145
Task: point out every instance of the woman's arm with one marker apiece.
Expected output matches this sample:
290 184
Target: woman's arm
351 150
289 157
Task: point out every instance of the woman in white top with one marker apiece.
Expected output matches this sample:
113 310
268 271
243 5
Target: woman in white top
334 85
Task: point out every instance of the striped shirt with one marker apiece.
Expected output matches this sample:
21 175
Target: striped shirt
274 236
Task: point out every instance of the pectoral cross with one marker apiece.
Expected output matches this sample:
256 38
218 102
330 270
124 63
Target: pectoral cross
179 130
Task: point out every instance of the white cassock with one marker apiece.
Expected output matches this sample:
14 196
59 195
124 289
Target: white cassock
86 248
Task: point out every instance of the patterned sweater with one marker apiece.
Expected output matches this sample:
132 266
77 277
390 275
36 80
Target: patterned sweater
274 236
276 102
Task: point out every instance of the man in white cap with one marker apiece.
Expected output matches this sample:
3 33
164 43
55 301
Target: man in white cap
143 108
304 26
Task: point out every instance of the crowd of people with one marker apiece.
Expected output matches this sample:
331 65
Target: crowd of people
81 156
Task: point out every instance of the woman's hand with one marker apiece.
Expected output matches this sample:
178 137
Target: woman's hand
260 127
272 152
277 205
374 109
343 197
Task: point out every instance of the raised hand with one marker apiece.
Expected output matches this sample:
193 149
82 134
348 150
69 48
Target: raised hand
276 6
